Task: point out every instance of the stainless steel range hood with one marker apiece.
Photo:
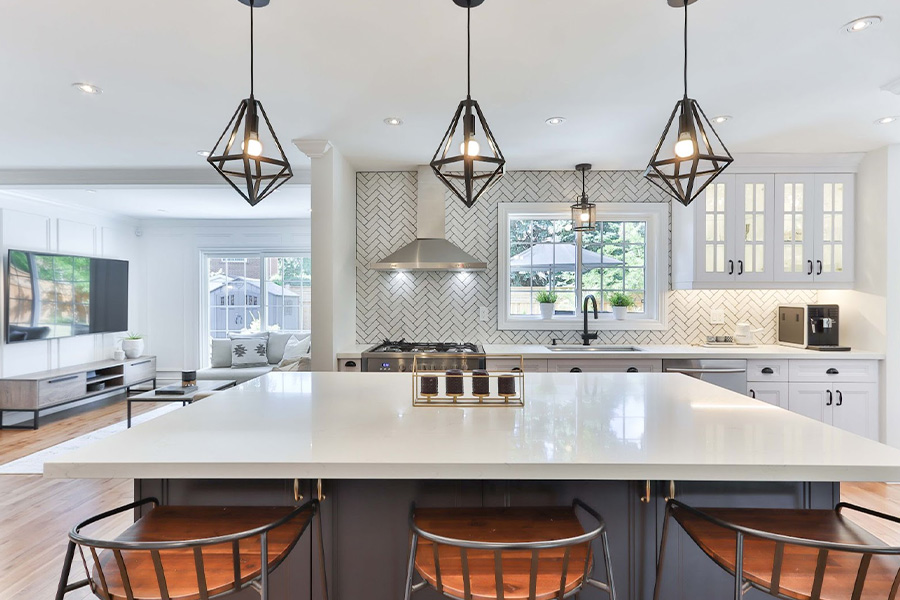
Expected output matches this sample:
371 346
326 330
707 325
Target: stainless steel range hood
430 251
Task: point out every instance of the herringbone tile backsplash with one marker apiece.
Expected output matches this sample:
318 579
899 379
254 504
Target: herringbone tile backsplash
444 306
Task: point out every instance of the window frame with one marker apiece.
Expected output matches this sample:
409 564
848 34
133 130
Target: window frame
656 265
263 305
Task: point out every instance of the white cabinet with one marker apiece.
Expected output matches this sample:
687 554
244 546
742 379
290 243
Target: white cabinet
604 365
849 406
734 227
781 231
775 393
814 219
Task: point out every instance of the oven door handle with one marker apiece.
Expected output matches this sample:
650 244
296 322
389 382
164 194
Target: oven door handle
703 371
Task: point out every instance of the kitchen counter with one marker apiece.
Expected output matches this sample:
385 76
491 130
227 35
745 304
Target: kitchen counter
582 427
765 351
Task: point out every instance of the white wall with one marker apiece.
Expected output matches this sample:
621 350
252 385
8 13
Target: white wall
31 225
866 322
173 282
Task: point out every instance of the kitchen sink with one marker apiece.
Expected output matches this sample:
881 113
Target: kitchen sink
580 348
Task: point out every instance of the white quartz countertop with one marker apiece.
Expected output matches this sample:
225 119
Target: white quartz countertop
584 426
764 352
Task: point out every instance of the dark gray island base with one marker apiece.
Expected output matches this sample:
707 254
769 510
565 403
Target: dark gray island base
367 539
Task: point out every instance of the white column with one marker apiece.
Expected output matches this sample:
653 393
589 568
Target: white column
333 222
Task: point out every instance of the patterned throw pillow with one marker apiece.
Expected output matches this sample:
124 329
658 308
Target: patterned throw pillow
248 352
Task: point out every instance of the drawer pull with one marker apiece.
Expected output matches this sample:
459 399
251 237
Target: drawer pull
768 371
143 362
632 370
516 369
575 370
61 379
350 363
832 371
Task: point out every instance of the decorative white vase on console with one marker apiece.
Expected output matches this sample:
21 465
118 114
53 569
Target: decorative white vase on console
133 348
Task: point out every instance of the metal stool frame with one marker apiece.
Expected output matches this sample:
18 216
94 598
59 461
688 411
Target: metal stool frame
498 548
741 586
260 583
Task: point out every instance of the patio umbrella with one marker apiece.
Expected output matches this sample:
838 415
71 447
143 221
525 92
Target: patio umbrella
561 257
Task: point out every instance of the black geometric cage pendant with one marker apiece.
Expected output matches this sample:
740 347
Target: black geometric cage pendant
468 173
241 160
685 175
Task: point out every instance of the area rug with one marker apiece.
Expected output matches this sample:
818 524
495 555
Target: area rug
33 464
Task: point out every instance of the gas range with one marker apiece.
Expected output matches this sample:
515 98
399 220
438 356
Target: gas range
397 356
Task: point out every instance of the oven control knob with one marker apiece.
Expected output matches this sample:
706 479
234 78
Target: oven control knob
402 368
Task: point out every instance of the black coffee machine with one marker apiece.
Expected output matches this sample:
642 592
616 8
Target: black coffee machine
812 326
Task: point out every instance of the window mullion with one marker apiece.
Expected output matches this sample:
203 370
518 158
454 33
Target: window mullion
579 301
263 294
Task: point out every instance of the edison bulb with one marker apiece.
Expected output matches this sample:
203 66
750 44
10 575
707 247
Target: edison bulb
585 217
254 147
469 148
685 147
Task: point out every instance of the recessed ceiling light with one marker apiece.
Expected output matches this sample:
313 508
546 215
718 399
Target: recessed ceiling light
555 121
721 119
87 88
203 153
162 210
393 121
861 24
886 120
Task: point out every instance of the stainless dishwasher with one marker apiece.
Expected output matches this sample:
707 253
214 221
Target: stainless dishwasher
729 374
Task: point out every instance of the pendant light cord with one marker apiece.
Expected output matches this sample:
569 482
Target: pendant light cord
251 48
469 50
686 2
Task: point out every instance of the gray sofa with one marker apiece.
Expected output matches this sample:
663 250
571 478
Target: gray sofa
220 358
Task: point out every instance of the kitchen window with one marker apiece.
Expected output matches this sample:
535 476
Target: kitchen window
256 292
626 253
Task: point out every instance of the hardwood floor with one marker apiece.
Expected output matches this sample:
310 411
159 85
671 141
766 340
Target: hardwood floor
37 513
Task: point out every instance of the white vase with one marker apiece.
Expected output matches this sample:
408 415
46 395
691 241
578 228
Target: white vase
547 310
619 312
133 348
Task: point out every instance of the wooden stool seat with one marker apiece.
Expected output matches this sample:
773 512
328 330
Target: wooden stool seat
797 574
502 525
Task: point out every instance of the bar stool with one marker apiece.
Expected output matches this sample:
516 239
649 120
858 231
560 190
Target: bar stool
190 552
505 553
799 554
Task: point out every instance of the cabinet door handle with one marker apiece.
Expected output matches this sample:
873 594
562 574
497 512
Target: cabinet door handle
575 370
61 379
753 393
645 498
731 267
143 362
740 267
819 264
768 371
840 398
832 371
830 398
809 262
632 370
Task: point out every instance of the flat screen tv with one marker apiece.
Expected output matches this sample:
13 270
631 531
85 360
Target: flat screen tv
54 296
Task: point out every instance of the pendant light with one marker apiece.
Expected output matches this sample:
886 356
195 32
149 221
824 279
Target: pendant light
478 165
584 213
690 158
251 160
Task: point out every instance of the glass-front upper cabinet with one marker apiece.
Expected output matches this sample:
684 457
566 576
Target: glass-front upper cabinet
734 227
814 216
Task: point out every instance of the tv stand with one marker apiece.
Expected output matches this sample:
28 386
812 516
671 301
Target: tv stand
36 392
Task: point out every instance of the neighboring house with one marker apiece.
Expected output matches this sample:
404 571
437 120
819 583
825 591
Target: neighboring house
234 305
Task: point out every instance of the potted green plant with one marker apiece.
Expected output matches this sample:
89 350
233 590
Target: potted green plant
133 345
620 303
547 300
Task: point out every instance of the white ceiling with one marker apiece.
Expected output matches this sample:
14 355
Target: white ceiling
174 202
174 71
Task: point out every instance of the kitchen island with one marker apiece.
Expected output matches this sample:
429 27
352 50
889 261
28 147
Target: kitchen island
600 437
